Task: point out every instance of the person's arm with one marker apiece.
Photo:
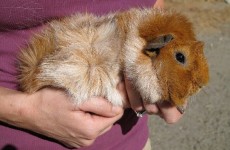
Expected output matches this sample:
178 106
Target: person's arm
51 113
11 103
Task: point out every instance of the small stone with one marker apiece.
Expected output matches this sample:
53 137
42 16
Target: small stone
227 1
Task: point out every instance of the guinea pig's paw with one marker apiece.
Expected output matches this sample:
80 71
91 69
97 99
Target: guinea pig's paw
115 97
79 94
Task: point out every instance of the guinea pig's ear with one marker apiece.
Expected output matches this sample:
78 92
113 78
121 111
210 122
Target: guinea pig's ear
153 46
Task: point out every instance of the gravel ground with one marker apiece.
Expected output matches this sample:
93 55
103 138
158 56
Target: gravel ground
206 123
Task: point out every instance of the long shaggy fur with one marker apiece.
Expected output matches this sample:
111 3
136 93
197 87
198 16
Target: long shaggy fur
86 55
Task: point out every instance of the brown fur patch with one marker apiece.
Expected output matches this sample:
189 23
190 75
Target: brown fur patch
85 54
161 23
30 59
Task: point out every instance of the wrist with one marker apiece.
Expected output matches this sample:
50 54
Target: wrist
13 107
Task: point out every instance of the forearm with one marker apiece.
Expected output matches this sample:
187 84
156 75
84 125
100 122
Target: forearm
11 107
51 113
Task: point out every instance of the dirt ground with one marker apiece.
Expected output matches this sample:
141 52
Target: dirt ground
206 123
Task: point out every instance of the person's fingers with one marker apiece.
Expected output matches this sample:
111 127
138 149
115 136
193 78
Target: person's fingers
134 97
99 116
100 107
96 125
70 146
101 112
105 130
78 144
87 141
122 89
152 109
105 122
169 112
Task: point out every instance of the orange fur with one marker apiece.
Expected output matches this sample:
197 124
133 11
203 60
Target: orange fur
29 60
181 80
86 55
178 82
164 23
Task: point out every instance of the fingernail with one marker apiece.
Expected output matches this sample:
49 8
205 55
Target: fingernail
151 109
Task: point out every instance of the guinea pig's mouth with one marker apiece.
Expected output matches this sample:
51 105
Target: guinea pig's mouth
178 102
180 108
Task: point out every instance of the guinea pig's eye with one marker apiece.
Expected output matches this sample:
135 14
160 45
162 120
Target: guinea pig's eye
180 57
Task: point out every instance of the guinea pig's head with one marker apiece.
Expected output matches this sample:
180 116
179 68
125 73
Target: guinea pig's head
180 66
163 58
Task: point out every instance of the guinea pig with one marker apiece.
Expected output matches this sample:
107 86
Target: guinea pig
87 55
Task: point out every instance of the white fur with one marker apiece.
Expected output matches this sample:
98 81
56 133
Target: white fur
144 76
92 63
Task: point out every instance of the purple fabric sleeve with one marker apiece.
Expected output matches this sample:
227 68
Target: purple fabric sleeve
19 20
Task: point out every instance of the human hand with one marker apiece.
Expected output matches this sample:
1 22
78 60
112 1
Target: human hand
51 113
163 109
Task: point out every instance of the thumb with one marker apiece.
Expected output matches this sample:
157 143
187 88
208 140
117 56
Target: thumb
101 107
134 97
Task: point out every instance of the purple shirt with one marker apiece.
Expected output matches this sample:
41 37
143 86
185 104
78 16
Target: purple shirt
19 20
